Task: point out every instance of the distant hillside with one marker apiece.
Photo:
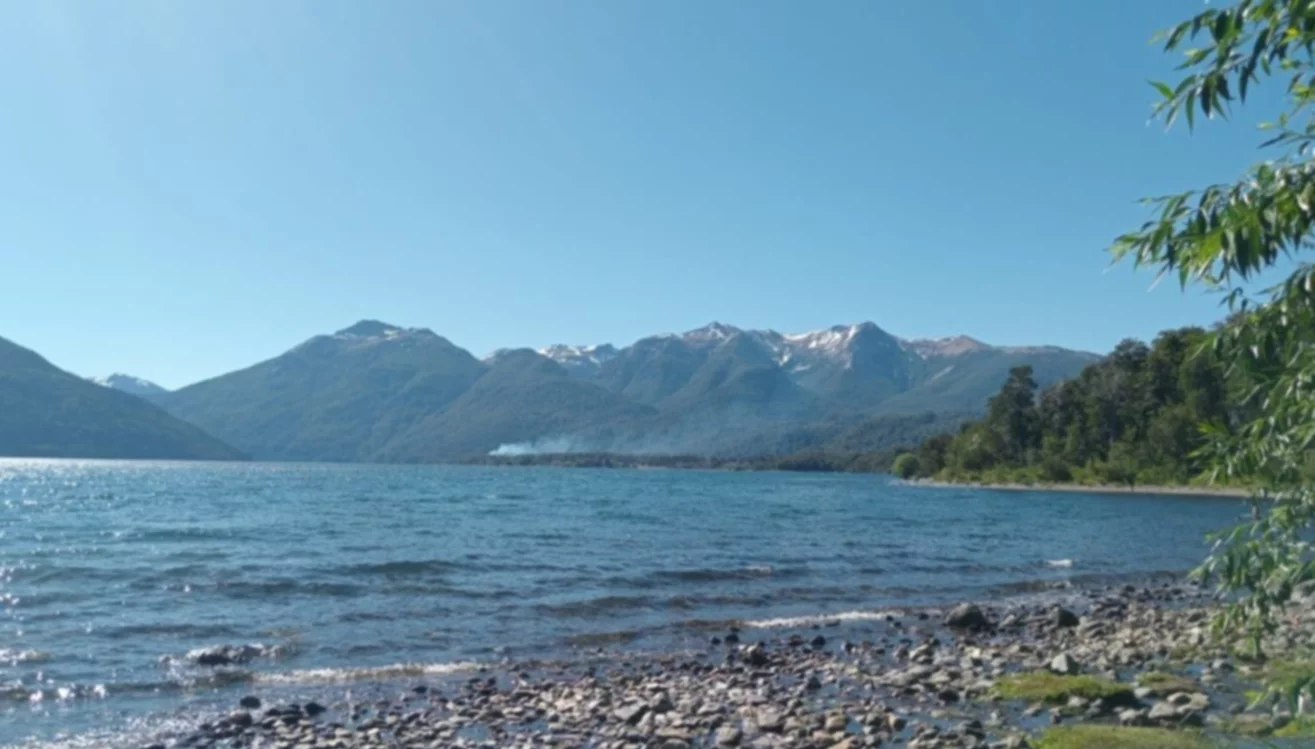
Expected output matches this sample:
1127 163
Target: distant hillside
47 412
378 392
522 397
339 397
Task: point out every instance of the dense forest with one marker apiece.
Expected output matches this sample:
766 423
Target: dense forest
1138 416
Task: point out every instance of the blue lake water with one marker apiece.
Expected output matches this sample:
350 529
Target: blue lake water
111 571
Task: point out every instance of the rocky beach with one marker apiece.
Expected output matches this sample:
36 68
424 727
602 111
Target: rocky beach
1119 666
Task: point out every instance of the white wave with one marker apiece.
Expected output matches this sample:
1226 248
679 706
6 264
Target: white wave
365 673
1059 562
808 621
15 657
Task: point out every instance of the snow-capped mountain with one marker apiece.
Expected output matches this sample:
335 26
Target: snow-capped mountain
129 384
580 360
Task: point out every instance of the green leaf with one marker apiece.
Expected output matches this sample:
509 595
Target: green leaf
1163 88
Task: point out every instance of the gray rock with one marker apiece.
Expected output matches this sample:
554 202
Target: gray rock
836 723
631 714
1134 717
1064 664
240 719
967 616
755 656
249 702
728 736
769 719
1195 701
1163 711
1062 617
225 655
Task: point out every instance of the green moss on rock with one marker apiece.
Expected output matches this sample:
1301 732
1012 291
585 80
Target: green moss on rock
1091 736
1162 683
1043 686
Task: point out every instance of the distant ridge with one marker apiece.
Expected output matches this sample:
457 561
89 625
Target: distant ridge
47 412
374 391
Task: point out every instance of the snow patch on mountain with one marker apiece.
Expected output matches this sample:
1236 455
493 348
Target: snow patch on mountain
949 346
371 330
129 384
580 358
711 334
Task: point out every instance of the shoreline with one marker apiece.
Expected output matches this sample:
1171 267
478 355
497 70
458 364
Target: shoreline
1223 492
957 677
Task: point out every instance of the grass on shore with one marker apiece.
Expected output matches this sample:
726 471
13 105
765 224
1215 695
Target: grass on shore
1250 725
1093 736
1043 686
1163 684
1257 726
1288 673
1301 727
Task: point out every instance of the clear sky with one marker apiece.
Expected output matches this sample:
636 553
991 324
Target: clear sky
189 187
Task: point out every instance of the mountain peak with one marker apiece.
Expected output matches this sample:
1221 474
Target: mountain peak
580 360
710 333
948 346
834 338
370 329
374 330
129 384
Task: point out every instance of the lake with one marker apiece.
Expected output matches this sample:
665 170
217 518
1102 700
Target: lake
346 575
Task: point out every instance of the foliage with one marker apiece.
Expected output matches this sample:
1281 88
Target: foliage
1223 237
1134 417
1044 686
1094 736
1286 680
47 412
905 465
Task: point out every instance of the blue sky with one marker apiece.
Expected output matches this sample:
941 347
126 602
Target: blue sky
188 188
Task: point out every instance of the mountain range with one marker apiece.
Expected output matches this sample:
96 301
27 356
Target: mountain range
47 412
380 392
